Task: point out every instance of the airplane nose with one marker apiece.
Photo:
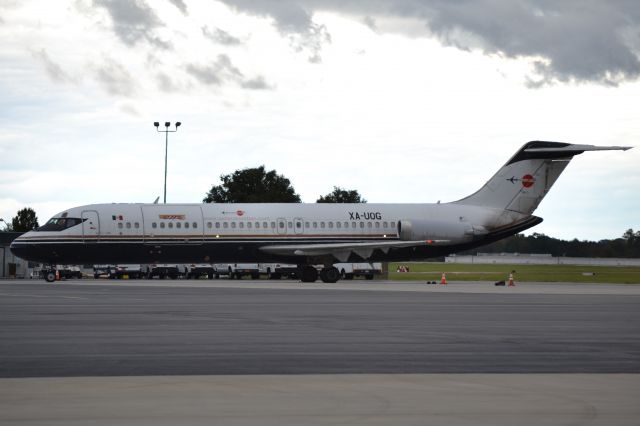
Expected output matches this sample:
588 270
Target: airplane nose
19 249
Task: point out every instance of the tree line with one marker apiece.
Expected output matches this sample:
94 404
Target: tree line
626 246
257 185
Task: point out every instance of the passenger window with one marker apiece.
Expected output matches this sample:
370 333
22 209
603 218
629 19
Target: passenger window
281 224
273 225
338 225
179 225
119 225
393 224
225 225
162 225
257 225
353 225
298 225
315 224
233 225
154 225
209 225
330 225
377 224
195 225
241 225
136 225
128 225
361 224
289 225
385 225
369 225
322 225
249 225
306 225
217 225
186 224
170 225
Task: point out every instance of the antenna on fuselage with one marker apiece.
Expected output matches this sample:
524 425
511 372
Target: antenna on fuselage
156 201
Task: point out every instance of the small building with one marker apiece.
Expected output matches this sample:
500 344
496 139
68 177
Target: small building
12 266
538 259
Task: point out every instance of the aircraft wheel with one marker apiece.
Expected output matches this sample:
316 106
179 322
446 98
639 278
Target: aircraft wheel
309 274
50 276
330 274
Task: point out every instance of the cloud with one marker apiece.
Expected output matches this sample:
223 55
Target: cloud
180 4
293 19
220 36
54 70
223 71
133 21
572 40
115 78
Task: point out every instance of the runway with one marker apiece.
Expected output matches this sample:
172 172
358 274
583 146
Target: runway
145 331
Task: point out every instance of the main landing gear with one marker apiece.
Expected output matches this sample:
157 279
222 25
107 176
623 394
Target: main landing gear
328 274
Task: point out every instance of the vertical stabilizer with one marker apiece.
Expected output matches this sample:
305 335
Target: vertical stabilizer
521 184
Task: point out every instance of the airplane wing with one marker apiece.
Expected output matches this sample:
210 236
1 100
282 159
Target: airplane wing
341 251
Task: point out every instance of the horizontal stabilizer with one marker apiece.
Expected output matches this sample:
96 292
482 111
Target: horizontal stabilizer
582 148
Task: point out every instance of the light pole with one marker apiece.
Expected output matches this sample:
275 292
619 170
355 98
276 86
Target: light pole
4 249
166 149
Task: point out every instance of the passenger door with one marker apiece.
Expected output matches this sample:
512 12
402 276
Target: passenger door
90 226
282 226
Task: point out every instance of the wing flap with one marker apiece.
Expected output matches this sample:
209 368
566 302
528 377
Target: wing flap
342 251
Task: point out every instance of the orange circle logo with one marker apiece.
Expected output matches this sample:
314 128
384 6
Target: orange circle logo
528 181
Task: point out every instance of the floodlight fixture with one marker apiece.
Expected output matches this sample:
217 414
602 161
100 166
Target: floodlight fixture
155 123
167 124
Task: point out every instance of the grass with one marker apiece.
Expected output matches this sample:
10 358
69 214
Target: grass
524 273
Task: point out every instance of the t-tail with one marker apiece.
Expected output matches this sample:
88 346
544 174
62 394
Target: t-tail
521 184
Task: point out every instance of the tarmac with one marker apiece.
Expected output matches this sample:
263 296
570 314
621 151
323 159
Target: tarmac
362 352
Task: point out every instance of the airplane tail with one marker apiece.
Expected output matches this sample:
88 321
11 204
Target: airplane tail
521 184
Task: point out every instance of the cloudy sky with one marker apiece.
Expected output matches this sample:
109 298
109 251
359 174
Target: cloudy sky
403 100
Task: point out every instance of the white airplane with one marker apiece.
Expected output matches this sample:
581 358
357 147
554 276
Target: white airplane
303 234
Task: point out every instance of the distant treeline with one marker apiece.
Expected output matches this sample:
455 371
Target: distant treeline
626 246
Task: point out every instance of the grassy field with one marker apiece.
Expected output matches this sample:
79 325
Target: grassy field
524 273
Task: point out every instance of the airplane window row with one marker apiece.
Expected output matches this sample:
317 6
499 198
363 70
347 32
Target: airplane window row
178 225
127 225
298 225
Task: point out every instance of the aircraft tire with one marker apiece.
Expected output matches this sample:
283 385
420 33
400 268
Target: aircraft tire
330 274
50 276
309 274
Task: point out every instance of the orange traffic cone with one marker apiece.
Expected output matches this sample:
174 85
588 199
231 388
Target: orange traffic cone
511 282
57 275
443 280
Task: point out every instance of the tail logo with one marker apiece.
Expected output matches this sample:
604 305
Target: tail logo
528 181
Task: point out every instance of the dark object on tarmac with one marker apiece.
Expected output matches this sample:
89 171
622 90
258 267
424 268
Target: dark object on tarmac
500 283
431 282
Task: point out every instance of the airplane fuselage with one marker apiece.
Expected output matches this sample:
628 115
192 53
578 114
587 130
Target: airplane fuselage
148 233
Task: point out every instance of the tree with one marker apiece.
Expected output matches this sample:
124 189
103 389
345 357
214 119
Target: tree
253 185
25 220
340 195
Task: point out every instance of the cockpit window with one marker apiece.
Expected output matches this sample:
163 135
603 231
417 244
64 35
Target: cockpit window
60 223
